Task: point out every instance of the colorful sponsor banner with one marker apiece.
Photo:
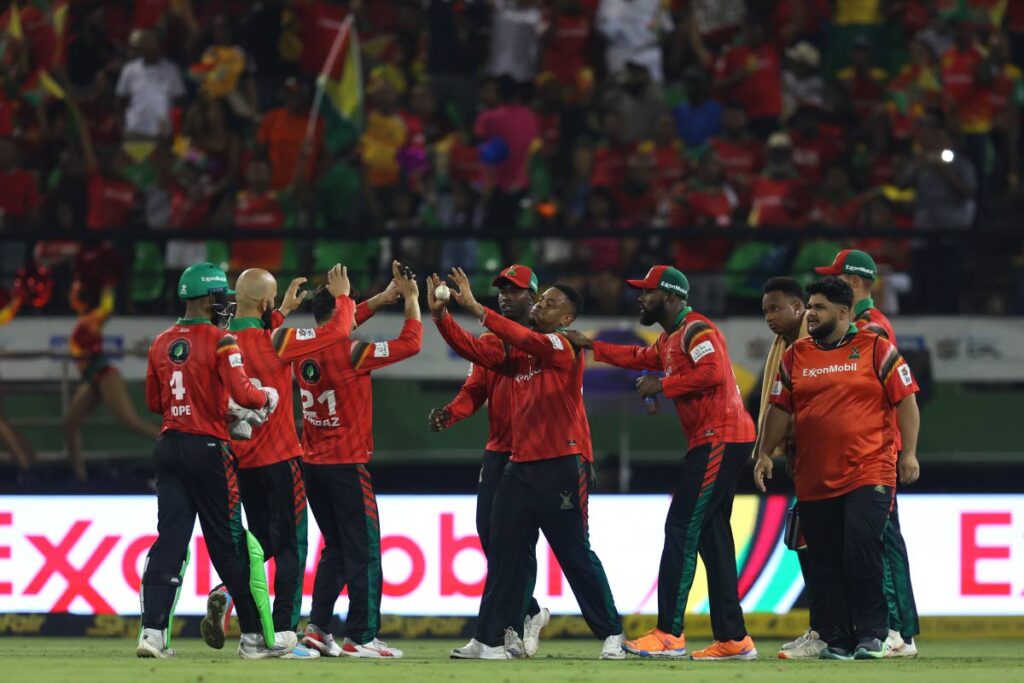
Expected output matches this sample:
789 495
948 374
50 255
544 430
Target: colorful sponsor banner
963 348
84 555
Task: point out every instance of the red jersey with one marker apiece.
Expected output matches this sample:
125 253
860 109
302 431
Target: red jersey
870 319
193 367
110 202
867 317
760 92
268 357
775 202
698 378
337 398
484 385
548 416
843 403
741 159
258 212
19 192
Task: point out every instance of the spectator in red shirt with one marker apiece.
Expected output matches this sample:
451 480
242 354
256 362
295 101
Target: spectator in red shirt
110 200
739 152
283 131
863 83
749 74
834 204
705 201
19 190
567 43
512 126
815 145
776 195
603 258
258 207
666 152
611 155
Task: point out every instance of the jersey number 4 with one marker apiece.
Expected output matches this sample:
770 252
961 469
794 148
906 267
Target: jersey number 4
177 386
326 397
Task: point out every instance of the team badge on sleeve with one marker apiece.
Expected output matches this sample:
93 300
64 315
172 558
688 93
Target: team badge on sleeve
701 350
236 360
381 350
905 375
556 341
776 388
304 333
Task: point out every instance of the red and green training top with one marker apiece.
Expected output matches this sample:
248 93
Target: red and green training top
698 378
268 357
548 416
193 367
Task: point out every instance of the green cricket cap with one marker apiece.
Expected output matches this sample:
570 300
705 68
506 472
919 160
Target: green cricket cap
664 277
851 262
202 279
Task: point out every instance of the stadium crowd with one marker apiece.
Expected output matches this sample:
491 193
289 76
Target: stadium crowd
587 119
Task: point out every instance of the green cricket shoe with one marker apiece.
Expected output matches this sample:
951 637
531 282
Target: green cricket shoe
836 652
871 648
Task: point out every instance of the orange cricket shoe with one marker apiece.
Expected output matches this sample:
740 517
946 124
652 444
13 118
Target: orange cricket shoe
727 649
656 643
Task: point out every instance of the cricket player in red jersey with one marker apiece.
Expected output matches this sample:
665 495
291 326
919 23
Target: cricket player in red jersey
194 367
845 392
517 292
858 269
546 485
269 469
337 443
719 434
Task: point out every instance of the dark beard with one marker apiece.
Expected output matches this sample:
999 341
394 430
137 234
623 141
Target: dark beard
823 330
267 318
649 316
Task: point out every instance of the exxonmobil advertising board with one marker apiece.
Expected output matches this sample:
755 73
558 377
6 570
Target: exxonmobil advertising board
85 554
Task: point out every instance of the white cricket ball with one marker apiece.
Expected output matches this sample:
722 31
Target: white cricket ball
442 293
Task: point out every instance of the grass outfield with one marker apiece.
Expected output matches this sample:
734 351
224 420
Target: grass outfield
94 659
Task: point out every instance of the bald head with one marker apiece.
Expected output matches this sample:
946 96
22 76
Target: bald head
255 291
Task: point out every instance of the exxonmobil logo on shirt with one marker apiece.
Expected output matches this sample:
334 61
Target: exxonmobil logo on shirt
830 369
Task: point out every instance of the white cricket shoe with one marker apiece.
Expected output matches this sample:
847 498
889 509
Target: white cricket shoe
514 647
899 647
474 649
253 646
302 652
532 628
895 642
151 645
375 649
807 646
612 648
322 641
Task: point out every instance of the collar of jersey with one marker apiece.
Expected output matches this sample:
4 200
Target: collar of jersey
193 321
245 323
863 305
681 317
842 342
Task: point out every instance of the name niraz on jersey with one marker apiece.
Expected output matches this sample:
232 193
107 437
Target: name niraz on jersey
193 367
337 398
842 400
484 385
548 416
698 378
267 360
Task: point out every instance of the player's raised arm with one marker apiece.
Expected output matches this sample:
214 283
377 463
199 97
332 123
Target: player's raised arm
367 357
486 350
290 343
552 347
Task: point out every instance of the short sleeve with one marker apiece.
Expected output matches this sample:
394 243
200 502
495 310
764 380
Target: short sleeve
893 372
781 393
